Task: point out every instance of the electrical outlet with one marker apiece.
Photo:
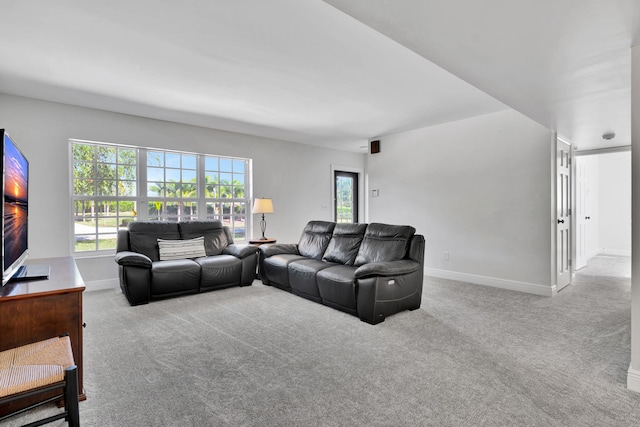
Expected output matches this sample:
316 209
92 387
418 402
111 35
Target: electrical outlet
445 256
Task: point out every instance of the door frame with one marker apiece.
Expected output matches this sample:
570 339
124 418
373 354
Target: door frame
361 189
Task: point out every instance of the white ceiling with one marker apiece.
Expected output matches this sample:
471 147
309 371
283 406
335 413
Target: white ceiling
305 71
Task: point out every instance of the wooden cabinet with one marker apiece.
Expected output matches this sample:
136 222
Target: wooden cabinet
35 310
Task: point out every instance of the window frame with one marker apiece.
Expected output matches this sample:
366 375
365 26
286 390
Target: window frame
142 199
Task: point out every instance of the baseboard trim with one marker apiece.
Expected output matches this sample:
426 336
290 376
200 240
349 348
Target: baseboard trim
633 379
512 285
615 252
100 285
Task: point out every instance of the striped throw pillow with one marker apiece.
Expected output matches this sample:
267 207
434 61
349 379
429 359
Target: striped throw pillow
181 249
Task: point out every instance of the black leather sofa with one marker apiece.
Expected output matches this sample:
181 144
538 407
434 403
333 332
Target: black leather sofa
145 277
368 270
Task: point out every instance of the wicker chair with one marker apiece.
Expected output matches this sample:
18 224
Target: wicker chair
41 368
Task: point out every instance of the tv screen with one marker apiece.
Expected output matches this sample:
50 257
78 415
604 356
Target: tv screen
15 172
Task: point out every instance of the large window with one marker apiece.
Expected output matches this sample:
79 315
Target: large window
114 185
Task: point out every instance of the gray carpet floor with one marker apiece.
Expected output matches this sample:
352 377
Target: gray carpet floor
258 356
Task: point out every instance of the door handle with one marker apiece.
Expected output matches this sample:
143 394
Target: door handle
561 221
587 217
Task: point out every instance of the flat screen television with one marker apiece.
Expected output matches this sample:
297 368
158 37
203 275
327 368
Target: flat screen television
15 224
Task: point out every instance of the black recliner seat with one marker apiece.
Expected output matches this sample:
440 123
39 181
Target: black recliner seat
145 276
368 270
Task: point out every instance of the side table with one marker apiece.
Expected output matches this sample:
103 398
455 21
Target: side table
259 242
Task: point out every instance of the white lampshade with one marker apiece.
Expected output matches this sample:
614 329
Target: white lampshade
262 206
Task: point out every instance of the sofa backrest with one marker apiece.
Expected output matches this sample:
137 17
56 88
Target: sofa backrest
383 242
144 235
345 243
216 237
315 238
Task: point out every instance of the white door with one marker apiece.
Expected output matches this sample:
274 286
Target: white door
563 217
582 194
586 176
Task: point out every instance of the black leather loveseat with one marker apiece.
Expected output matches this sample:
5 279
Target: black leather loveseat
368 270
146 275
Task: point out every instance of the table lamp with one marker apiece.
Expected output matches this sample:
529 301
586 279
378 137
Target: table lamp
263 206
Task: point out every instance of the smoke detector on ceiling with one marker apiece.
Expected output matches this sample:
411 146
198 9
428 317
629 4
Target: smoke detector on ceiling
608 136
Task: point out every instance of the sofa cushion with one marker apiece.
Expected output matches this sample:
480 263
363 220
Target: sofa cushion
276 268
337 287
344 244
175 277
215 237
384 243
219 271
315 238
181 249
302 277
143 236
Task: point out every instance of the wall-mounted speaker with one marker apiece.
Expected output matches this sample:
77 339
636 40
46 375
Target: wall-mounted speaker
375 146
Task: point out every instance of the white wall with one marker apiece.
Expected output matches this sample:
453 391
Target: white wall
479 189
614 222
297 177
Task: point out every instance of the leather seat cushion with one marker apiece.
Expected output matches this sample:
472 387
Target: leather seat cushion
276 268
175 276
302 275
337 285
220 270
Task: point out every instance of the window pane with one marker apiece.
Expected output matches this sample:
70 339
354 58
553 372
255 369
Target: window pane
226 178
226 165
238 166
155 158
83 187
212 191
155 210
106 241
127 188
127 172
173 175
213 210
85 243
172 160
106 154
189 191
106 188
155 174
226 192
173 189
211 163
83 170
84 152
127 156
188 161
155 189
211 177
106 171
189 176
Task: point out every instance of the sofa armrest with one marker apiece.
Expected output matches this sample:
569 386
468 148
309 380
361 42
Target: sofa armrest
240 251
391 268
279 248
133 259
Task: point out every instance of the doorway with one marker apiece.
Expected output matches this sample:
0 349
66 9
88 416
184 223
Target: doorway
345 202
603 204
